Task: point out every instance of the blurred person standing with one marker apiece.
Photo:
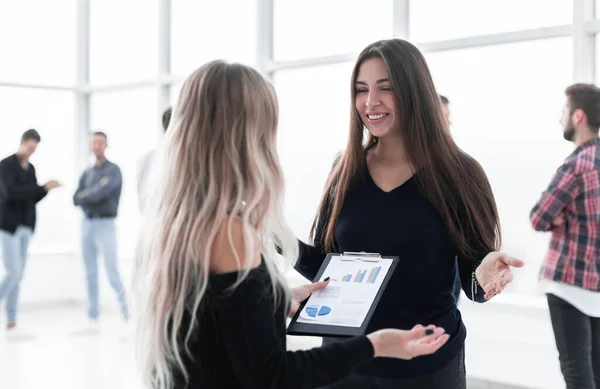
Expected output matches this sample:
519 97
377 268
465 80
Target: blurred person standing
446 108
19 194
98 195
570 209
146 167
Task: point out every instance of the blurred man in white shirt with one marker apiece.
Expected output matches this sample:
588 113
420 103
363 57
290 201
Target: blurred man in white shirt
145 168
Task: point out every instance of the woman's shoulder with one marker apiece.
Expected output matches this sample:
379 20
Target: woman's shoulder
235 247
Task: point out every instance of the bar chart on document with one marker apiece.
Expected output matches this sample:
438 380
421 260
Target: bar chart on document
361 274
350 294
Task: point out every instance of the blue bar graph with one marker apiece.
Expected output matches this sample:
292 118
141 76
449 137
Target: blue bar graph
361 276
373 276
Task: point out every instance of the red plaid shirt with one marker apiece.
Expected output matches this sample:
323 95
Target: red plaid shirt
574 254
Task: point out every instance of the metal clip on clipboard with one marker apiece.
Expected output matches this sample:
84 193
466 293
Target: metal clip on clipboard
361 256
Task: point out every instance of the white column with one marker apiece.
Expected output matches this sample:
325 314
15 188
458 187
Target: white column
584 46
400 10
264 36
82 96
164 58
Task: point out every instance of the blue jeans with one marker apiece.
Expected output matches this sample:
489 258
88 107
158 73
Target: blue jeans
100 236
14 255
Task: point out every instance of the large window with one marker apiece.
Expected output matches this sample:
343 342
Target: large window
505 113
123 40
52 114
432 20
37 48
315 28
313 129
505 102
132 122
505 99
204 30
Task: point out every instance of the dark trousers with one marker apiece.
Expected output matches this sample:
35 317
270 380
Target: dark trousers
578 341
452 376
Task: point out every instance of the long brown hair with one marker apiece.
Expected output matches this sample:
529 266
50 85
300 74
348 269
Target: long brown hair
453 182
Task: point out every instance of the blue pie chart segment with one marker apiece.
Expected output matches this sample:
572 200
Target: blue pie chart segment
324 310
317 310
312 310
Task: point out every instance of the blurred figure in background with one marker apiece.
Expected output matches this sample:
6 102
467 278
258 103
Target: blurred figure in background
98 195
19 193
570 208
446 108
146 167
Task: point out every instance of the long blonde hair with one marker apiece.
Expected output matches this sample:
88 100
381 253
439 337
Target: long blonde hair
219 162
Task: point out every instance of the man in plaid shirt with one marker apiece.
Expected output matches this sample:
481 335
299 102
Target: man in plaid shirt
570 209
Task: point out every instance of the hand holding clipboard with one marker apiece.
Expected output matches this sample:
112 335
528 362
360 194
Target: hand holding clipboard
342 304
344 308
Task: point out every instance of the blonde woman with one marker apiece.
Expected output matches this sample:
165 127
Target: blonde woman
209 299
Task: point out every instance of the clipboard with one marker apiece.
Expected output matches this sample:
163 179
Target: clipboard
302 328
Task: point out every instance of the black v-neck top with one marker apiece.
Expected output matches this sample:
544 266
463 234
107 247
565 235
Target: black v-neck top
403 223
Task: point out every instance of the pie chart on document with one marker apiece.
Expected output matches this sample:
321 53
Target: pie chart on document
312 312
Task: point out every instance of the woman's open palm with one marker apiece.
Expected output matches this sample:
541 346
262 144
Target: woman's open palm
495 273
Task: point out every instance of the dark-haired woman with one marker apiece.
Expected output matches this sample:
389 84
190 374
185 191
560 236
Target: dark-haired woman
409 191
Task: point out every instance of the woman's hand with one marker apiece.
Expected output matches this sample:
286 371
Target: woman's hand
408 344
303 292
495 273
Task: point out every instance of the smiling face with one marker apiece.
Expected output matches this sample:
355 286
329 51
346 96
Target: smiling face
374 101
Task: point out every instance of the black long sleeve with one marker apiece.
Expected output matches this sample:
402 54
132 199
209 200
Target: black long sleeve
19 194
465 271
467 265
40 195
257 354
479 250
310 260
12 190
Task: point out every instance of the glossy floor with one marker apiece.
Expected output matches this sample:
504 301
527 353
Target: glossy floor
51 350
